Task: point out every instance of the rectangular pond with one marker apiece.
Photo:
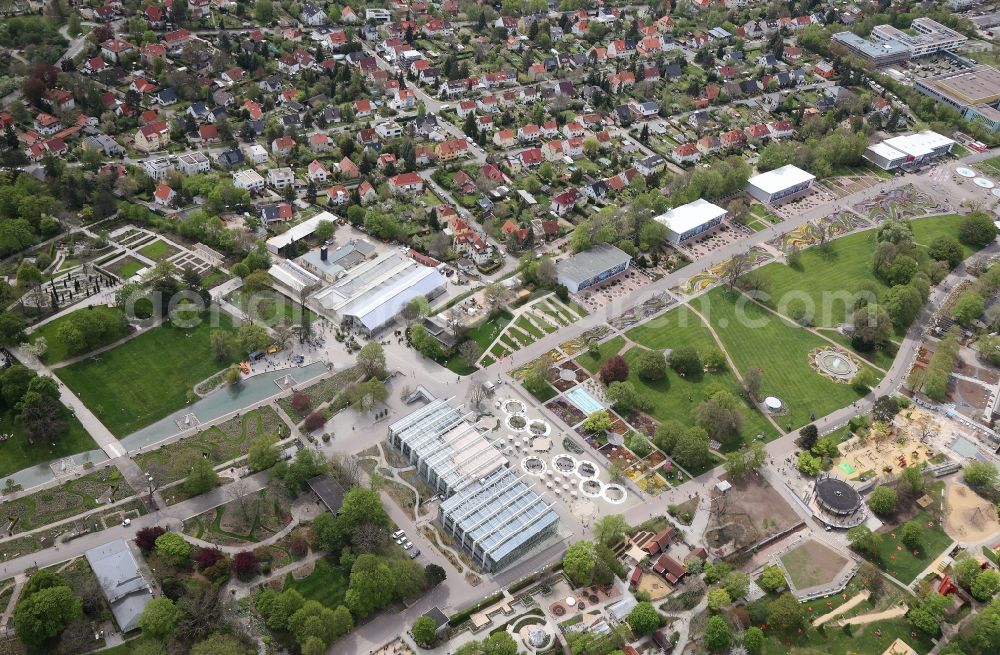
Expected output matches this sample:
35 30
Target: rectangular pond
582 399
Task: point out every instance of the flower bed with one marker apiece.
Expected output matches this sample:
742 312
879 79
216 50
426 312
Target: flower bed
569 413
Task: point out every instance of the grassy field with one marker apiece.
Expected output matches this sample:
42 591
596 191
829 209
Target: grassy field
16 453
57 350
869 638
828 278
157 250
125 386
755 337
607 349
326 584
900 562
925 230
271 308
484 334
675 397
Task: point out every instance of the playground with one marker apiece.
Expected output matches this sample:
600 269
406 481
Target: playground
969 518
812 564
878 453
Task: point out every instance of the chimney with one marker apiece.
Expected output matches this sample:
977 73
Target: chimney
323 251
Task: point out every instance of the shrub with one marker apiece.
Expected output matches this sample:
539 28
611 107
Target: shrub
145 538
207 557
614 370
301 402
297 547
245 565
315 421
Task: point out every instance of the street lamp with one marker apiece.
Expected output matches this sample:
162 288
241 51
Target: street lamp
152 487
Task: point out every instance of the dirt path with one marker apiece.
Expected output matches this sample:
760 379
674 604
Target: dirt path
863 596
891 613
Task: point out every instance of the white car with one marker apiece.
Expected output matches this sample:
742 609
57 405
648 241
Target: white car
400 540
407 545
397 534
127 522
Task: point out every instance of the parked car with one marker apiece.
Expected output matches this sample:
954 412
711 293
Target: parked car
415 553
397 534
407 545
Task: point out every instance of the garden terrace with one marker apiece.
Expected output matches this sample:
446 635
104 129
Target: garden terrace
218 444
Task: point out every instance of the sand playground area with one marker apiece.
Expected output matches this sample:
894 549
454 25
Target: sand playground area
653 585
869 458
969 517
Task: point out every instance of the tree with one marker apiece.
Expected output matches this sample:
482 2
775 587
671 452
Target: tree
371 360
44 614
753 640
598 422
263 12
753 380
734 268
966 571
719 599
902 303
911 534
624 397
610 529
307 464
691 450
201 479
717 634
650 365
253 337
980 475
736 583
263 453
968 307
946 248
11 329
807 436
423 631
362 506
496 297
245 564
785 613
644 619
686 361
159 618
172 546
145 538
470 351
863 540
986 629
977 229
579 561
771 579
371 585
434 575
882 500
720 416
885 409
929 613
986 585
615 369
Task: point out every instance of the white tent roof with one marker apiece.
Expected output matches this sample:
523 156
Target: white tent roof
780 179
687 217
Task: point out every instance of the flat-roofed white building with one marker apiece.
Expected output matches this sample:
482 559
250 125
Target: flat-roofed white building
192 163
372 294
298 232
248 179
293 277
691 219
919 147
779 184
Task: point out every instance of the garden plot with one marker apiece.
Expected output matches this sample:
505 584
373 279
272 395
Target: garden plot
249 519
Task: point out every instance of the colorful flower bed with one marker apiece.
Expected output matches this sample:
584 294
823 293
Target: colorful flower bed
569 413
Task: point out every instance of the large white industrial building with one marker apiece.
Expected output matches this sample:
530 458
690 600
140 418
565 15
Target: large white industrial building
691 219
779 184
490 509
909 149
372 294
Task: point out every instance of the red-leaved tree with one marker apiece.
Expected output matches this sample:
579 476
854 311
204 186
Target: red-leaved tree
297 547
614 370
145 538
207 557
245 565
301 402
315 421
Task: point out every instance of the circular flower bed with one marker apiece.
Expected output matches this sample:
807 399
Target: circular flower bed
586 470
533 465
516 422
564 463
591 488
614 494
539 428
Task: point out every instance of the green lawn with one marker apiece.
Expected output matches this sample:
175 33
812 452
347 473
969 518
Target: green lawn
130 268
829 278
16 453
871 638
157 250
57 350
755 337
607 349
126 386
326 584
529 327
675 397
484 334
925 230
906 567
271 308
